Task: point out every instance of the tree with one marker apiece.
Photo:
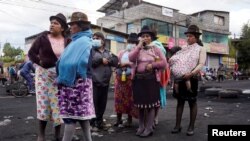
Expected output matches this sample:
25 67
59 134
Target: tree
10 51
232 50
244 48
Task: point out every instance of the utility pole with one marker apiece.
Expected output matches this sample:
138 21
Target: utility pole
175 34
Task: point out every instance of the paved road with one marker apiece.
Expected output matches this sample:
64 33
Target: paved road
23 127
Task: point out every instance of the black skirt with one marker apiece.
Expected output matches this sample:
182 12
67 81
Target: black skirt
183 93
146 91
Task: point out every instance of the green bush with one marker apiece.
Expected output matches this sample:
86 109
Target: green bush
7 59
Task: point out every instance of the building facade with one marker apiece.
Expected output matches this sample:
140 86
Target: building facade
115 40
170 25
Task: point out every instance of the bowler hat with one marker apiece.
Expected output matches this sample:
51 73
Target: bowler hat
132 37
193 29
145 30
79 17
61 19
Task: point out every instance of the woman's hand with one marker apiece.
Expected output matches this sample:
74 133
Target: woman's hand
188 75
105 61
141 41
149 67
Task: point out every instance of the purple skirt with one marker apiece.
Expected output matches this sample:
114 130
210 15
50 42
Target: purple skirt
77 102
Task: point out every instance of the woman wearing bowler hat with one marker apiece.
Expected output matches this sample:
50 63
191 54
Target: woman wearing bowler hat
75 79
45 52
123 84
148 60
195 56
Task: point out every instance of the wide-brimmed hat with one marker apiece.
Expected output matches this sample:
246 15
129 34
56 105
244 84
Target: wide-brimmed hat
146 30
79 17
61 19
132 37
193 29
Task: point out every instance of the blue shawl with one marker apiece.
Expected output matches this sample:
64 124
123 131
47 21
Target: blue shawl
74 60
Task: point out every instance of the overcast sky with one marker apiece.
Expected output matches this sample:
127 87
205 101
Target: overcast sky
22 18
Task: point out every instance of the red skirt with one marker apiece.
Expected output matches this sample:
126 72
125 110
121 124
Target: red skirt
124 97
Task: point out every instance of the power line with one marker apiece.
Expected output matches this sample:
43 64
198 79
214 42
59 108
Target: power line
47 10
59 5
42 9
24 6
63 6
21 20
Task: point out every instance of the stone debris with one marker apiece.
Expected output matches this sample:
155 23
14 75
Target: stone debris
120 126
108 125
7 117
30 118
208 108
246 92
206 115
111 130
96 134
113 116
5 122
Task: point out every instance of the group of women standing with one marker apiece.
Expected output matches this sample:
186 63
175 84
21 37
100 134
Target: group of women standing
72 78
63 79
145 67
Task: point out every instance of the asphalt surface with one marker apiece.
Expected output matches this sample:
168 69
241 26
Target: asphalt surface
18 117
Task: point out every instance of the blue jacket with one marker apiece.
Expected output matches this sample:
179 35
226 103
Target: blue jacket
73 63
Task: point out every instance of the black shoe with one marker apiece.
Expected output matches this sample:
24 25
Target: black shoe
139 132
118 123
176 130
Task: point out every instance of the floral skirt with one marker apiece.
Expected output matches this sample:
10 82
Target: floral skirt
124 97
77 102
46 95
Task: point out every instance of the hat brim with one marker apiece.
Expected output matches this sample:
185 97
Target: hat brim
55 17
70 23
146 32
133 40
195 33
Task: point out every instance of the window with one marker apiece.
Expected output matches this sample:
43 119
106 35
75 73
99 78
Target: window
219 20
209 37
163 28
182 31
130 28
